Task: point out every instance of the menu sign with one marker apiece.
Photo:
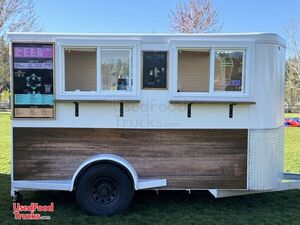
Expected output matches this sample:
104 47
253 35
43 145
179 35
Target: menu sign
33 80
155 70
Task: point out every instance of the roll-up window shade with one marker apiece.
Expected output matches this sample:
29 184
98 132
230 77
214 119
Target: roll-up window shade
80 69
193 71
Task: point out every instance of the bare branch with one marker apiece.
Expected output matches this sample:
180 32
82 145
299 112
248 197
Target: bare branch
292 32
15 15
18 15
292 66
195 16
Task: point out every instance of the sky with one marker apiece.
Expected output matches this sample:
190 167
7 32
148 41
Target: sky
141 16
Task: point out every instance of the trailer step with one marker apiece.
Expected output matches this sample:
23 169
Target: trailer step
290 181
291 176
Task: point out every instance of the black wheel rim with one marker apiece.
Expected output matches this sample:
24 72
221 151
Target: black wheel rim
104 190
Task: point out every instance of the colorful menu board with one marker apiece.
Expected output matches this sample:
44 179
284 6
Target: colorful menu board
33 80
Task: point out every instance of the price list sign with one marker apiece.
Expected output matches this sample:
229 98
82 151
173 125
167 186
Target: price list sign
33 80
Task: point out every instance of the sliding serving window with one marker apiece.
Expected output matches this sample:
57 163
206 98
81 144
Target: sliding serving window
116 69
229 70
193 70
97 69
214 71
80 69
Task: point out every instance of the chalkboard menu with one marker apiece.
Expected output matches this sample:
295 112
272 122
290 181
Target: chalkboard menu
155 69
33 80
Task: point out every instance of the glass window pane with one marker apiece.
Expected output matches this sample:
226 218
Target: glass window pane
115 69
80 69
193 71
228 70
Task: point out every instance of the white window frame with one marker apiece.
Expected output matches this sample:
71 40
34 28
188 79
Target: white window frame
212 95
133 46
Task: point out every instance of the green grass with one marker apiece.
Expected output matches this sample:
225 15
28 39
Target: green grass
292 115
292 146
4 142
173 207
292 150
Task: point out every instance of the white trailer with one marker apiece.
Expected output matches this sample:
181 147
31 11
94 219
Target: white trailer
105 115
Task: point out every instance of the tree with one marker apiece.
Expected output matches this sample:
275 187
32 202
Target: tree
292 66
292 81
194 16
15 15
292 33
4 65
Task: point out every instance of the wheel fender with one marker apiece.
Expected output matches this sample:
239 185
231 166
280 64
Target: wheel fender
106 157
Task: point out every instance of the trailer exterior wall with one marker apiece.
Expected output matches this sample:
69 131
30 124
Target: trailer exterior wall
154 109
266 148
188 159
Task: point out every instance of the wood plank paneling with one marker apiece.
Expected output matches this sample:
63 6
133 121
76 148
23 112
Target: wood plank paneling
189 159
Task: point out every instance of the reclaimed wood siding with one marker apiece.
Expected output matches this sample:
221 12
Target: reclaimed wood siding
188 159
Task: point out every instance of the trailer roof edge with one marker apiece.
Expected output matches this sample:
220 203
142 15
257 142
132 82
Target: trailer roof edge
256 36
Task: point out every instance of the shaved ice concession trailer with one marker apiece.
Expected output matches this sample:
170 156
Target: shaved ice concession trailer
105 115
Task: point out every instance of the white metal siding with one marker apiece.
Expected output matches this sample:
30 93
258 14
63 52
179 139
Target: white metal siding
265 168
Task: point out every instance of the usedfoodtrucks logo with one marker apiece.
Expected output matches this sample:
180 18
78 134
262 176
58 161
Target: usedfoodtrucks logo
32 211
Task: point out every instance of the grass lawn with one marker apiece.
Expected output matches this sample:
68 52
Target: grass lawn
169 207
292 115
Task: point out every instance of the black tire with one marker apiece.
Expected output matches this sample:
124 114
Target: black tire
104 189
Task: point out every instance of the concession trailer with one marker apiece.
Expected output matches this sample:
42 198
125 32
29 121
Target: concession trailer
105 115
